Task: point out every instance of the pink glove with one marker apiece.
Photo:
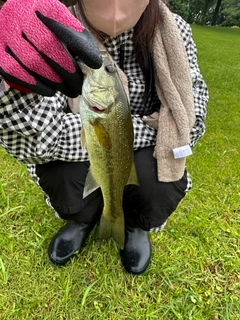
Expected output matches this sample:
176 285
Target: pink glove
33 57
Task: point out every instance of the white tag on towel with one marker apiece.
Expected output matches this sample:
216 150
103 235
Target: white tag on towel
182 152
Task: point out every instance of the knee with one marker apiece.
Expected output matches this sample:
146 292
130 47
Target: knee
152 207
64 182
154 213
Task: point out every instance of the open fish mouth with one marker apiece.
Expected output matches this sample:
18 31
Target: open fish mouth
92 105
96 109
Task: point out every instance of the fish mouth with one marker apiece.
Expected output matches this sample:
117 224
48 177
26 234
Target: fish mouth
96 108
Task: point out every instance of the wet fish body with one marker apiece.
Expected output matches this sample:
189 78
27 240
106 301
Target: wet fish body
107 134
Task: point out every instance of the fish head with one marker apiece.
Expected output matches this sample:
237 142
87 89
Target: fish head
100 90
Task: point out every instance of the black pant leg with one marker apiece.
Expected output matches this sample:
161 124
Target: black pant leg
151 203
64 182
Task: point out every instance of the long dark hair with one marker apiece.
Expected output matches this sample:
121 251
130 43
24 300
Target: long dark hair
142 38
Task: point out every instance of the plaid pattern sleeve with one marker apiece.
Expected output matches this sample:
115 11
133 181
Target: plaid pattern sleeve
200 91
36 129
144 135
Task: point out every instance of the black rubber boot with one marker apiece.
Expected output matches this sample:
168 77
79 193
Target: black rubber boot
69 239
136 254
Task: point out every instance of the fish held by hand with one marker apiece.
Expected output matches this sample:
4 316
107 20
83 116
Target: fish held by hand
107 134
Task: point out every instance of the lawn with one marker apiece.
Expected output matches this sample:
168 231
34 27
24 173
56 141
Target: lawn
195 268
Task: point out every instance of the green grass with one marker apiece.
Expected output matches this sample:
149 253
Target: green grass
195 269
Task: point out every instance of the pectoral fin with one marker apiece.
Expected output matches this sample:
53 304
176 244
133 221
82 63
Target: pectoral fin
102 135
90 184
133 179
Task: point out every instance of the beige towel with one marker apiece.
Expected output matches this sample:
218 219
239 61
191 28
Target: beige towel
174 89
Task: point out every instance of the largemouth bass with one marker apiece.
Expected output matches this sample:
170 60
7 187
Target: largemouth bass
107 134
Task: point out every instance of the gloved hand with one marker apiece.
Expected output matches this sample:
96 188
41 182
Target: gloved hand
39 41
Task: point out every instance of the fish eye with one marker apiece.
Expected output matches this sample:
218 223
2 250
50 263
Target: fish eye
110 69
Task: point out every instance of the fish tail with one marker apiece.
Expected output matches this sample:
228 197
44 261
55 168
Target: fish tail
112 228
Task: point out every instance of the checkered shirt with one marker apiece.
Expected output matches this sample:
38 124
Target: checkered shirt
36 129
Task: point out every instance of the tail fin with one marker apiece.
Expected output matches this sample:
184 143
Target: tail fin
111 227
